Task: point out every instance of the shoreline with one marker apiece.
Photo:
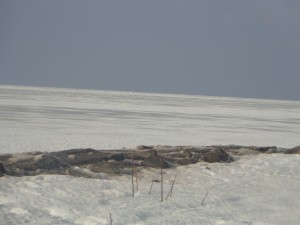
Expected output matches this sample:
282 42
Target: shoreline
91 163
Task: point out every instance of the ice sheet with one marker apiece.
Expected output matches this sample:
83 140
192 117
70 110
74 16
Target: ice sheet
50 119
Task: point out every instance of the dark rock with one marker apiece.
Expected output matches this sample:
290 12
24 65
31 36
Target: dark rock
86 156
187 161
139 155
217 155
265 149
154 160
143 147
118 157
11 170
46 162
243 151
2 169
295 150
77 151
81 162
104 167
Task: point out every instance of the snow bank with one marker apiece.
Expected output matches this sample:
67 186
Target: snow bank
257 189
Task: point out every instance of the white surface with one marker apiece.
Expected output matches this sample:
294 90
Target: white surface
256 190
49 119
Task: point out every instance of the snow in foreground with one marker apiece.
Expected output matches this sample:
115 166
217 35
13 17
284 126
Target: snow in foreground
258 190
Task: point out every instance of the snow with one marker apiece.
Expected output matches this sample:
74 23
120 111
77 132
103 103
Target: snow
49 119
256 189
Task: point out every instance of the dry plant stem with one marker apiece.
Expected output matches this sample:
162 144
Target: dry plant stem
173 185
151 185
161 181
136 177
171 189
202 203
110 219
132 173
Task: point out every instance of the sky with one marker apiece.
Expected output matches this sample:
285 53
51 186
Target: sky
233 48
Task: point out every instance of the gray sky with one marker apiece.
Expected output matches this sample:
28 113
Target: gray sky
221 48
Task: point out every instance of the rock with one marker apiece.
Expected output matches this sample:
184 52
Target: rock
266 149
86 162
75 157
13 171
139 155
217 155
118 157
2 169
245 151
143 147
44 162
295 150
153 160
104 167
187 161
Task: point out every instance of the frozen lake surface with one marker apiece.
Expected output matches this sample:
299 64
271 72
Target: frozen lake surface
50 119
253 190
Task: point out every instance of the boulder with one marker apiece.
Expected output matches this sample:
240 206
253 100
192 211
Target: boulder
186 161
295 150
44 162
118 157
143 147
266 149
2 169
217 155
154 160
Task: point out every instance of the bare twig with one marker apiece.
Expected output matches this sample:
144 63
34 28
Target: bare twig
171 189
173 184
132 174
136 177
202 203
151 185
110 216
161 181
153 181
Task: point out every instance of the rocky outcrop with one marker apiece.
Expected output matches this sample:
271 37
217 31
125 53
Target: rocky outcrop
217 155
90 162
295 150
2 169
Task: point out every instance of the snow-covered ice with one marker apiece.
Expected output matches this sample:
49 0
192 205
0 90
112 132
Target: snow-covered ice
49 119
258 189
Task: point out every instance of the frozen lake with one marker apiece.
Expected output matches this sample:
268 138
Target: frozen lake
50 119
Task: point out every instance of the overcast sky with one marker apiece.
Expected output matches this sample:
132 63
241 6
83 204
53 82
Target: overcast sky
221 48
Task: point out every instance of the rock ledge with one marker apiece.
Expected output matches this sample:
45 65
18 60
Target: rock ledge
94 163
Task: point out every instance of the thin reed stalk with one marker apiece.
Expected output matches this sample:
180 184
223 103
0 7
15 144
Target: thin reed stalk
132 174
171 189
151 185
161 181
202 203
136 178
